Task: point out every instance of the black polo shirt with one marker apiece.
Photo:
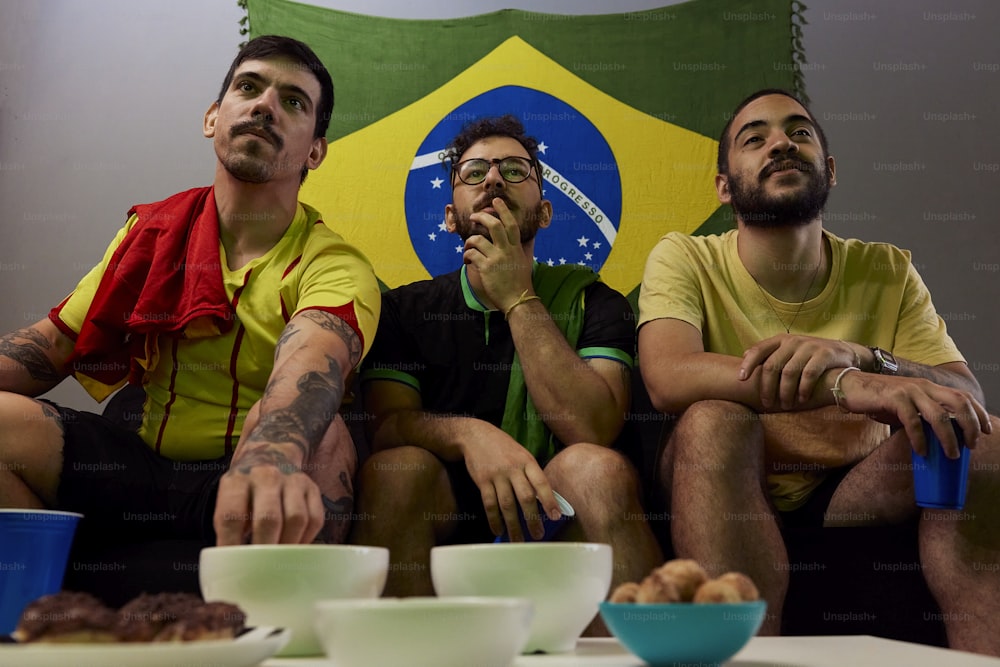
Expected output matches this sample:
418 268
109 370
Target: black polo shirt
437 337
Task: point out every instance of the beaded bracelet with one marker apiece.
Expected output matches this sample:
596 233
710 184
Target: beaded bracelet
524 298
837 392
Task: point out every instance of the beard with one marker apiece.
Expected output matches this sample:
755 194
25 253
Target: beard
249 164
758 209
466 227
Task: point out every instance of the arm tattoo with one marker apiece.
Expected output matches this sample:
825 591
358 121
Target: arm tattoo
52 413
31 354
341 328
289 331
264 455
304 421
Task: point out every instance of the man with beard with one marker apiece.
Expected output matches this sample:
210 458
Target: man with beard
238 312
498 385
800 365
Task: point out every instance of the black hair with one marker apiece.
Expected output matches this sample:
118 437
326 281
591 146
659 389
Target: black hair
269 46
722 163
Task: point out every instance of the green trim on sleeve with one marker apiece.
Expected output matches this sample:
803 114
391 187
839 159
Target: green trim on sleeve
607 353
390 375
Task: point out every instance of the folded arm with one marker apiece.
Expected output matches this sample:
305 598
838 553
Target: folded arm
791 373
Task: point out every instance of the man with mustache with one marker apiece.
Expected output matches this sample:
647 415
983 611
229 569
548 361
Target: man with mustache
240 315
492 387
800 365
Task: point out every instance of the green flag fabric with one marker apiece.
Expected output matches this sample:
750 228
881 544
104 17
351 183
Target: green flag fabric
627 108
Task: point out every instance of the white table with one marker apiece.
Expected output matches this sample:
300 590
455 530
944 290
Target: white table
834 651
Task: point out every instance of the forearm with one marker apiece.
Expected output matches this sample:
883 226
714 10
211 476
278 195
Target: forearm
443 435
674 383
955 375
299 403
575 401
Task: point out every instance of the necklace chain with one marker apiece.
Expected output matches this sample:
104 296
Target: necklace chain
767 299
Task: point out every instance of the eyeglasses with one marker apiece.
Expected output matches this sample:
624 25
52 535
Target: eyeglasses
513 169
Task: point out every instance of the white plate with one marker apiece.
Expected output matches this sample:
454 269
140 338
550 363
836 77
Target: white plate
248 649
589 652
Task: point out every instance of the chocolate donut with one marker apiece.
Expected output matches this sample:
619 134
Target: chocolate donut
66 617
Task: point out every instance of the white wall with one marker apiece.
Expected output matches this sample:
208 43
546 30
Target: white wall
101 104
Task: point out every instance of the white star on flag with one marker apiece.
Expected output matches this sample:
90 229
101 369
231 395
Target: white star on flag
542 148
583 241
437 183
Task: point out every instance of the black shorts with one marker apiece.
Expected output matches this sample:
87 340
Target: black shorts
126 491
811 513
472 526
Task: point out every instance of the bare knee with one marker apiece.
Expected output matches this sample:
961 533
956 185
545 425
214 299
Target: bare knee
600 484
402 476
592 468
712 435
31 442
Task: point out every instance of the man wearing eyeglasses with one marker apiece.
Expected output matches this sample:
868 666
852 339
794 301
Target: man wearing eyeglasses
491 387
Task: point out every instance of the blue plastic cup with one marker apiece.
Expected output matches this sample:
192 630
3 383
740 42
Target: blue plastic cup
34 551
938 481
551 527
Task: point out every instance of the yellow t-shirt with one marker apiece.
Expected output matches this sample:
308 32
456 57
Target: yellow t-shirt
874 297
199 392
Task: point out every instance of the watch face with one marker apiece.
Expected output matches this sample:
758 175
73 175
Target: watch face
884 361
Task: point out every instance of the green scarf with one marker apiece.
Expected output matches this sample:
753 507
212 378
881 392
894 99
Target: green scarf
561 290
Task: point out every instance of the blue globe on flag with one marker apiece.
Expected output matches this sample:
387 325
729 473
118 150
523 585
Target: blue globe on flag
580 173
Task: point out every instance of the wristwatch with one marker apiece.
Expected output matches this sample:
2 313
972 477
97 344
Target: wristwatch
885 363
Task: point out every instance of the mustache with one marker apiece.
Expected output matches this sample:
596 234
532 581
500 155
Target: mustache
248 126
786 163
486 201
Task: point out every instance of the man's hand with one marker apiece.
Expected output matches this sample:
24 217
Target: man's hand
903 401
792 365
503 266
265 496
509 477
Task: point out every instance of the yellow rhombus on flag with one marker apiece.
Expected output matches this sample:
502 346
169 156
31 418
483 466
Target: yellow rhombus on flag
361 185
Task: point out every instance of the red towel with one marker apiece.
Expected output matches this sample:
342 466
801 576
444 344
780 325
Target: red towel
164 279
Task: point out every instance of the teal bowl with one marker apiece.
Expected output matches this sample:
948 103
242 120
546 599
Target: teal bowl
684 633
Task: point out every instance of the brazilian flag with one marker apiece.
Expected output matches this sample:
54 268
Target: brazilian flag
627 109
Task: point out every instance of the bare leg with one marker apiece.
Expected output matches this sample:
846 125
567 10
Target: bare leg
404 503
603 488
960 552
31 441
878 490
713 470
333 467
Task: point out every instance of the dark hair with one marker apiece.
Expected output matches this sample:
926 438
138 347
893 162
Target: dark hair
492 126
269 46
722 163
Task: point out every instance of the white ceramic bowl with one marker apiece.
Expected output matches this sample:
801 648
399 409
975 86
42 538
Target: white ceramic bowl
423 631
565 580
278 584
